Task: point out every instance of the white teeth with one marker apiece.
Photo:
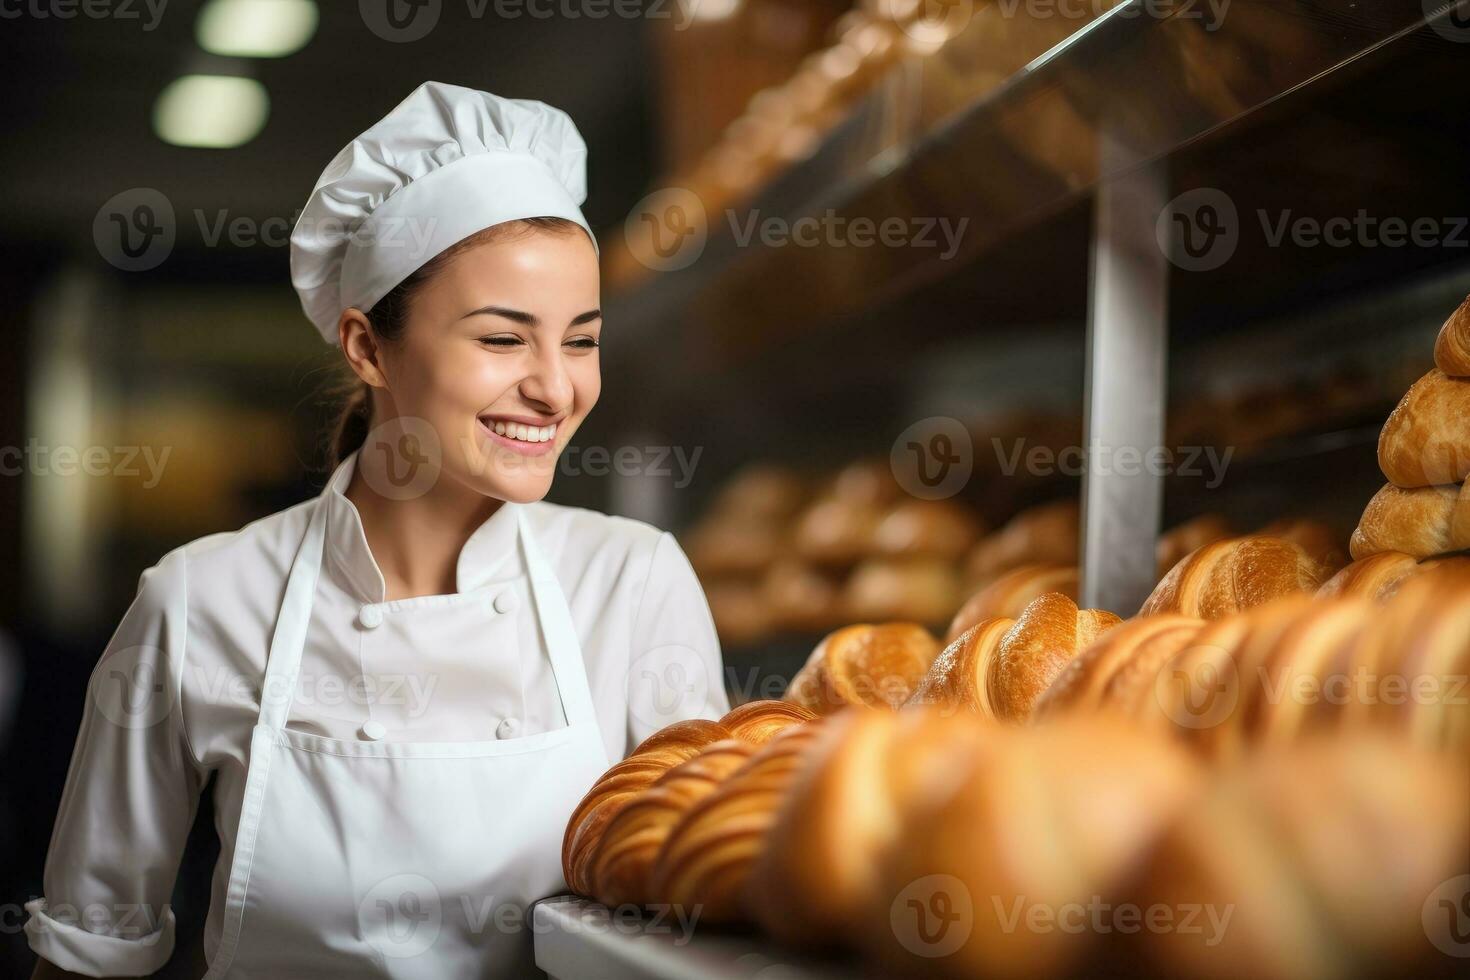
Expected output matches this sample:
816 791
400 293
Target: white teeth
524 433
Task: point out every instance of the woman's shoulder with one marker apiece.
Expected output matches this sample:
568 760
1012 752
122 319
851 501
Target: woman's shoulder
254 556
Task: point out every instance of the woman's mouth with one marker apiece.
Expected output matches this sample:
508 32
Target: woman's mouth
520 437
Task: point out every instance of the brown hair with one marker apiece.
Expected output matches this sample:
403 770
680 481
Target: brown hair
389 317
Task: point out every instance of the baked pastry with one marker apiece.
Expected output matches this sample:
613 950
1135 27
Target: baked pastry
924 590
866 481
1000 668
728 546
740 610
1452 346
873 665
817 877
1047 816
705 861
1177 542
1046 533
1012 592
1376 576
1317 539
1426 441
762 492
654 756
1234 574
1117 670
927 529
1421 522
802 598
1328 857
631 841
757 722
836 531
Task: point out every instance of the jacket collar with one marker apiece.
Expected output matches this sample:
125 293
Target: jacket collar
483 556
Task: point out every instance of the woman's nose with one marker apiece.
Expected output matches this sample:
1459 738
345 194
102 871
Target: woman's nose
549 383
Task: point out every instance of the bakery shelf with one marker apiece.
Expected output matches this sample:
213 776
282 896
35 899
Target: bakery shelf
578 939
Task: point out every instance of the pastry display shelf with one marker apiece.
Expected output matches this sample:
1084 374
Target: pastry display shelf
581 940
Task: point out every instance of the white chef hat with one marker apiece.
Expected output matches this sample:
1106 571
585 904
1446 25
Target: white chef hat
447 162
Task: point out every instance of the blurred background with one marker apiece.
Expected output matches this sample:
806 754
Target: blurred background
160 381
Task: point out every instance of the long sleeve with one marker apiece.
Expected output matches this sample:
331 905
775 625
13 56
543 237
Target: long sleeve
131 793
675 668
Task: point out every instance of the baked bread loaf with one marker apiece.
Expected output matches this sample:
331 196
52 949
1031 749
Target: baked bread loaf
1012 592
802 598
877 666
1119 669
1234 574
924 590
625 855
1452 346
940 529
705 861
836 531
1047 534
1329 858
762 492
740 610
1000 668
1182 539
1318 540
1046 817
1422 522
1375 577
816 880
1426 441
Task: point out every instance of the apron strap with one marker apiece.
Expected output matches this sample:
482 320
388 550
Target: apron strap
558 631
284 662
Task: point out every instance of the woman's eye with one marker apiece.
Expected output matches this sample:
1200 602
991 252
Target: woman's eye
502 340
583 343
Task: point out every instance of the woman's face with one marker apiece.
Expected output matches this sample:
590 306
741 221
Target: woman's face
499 361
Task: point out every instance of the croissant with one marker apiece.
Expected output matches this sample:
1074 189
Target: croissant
1010 593
836 531
763 493
1421 522
1177 542
632 839
1234 574
817 877
924 590
874 665
1426 441
1118 669
927 529
1452 346
1044 817
1338 857
1319 541
1376 576
801 598
1047 533
756 722
1000 668
705 861
732 545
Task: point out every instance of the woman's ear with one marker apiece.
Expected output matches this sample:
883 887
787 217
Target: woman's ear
360 347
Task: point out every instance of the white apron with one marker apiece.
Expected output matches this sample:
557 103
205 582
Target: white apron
401 859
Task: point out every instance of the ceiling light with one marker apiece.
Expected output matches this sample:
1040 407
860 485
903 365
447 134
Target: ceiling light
211 110
256 28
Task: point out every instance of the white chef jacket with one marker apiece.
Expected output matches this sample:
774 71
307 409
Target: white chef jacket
177 691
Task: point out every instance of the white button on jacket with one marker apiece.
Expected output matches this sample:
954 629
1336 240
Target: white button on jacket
176 696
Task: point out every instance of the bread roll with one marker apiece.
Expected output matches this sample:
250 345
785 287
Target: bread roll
1117 669
1452 346
740 610
705 861
817 877
1047 533
654 756
1327 859
1000 668
762 492
732 546
802 598
1046 819
1177 542
1321 542
757 722
1234 574
924 590
1426 441
876 666
1421 522
1375 577
624 857
836 531
1012 592
940 529
866 481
